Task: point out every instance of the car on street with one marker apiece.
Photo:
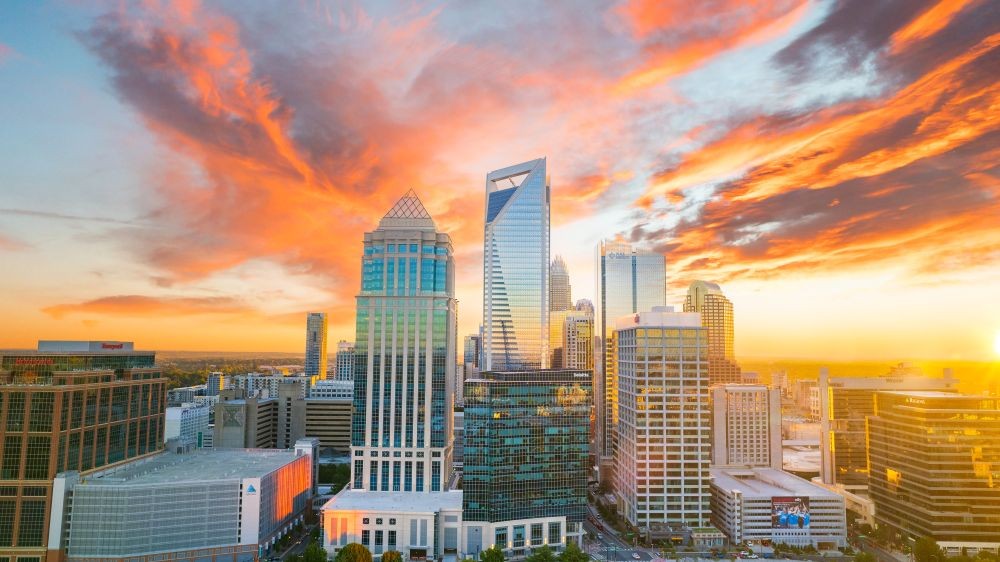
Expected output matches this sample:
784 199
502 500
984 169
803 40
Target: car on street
636 555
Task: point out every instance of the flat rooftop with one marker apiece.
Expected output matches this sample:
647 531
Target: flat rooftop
766 483
927 394
203 465
406 502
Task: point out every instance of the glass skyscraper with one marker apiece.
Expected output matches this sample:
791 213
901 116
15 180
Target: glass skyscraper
316 344
401 429
627 281
516 269
526 458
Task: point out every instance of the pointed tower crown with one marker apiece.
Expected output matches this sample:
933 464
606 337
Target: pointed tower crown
408 212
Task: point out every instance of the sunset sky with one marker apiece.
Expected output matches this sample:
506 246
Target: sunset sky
198 176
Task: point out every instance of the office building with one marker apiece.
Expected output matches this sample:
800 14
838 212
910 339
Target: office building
185 394
627 281
516 269
578 341
69 406
845 403
524 478
187 423
935 467
560 290
401 429
459 425
473 349
328 419
344 361
316 345
332 388
664 442
230 505
291 416
265 385
746 425
585 305
717 318
768 505
245 423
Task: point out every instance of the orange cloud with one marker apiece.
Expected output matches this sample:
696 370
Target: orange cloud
680 36
140 305
928 23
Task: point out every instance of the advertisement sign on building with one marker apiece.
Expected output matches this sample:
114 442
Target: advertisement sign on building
789 512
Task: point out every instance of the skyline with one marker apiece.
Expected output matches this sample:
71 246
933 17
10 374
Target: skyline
831 165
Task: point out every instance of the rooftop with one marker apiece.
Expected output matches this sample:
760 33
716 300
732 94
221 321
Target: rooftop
203 465
412 502
766 483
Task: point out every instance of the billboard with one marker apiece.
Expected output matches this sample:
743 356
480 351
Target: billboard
789 512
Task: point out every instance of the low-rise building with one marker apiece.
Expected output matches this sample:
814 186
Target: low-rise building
765 504
231 505
331 388
329 420
419 526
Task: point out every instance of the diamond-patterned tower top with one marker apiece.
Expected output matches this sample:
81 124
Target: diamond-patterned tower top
408 212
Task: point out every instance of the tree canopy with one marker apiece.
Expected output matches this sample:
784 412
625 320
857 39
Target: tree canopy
491 554
354 552
541 554
572 553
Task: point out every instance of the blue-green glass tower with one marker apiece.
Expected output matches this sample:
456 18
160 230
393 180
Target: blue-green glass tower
527 439
516 269
401 428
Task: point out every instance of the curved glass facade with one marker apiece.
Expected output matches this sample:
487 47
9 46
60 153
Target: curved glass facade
516 269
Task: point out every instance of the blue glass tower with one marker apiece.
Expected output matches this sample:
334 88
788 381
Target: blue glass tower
401 429
516 269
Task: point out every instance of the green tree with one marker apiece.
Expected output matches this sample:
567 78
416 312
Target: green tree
314 553
354 552
390 556
572 553
864 557
541 554
491 554
926 549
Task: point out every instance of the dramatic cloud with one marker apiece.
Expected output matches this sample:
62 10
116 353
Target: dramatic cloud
147 306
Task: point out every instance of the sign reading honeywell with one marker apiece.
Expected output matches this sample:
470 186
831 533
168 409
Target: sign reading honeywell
70 346
250 512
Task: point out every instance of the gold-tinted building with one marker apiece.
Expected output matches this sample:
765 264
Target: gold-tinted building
69 406
717 318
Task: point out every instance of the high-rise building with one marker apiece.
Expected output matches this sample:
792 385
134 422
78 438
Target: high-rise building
746 425
845 403
578 341
344 361
628 281
69 406
935 467
516 269
663 452
557 324
316 344
243 422
215 382
560 290
525 468
717 318
401 436
585 305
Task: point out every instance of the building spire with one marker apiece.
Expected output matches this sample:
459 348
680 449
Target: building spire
407 212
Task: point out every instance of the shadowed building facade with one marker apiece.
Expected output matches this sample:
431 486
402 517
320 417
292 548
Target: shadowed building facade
717 318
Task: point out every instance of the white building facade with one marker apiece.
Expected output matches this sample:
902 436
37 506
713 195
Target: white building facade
663 450
746 425
765 504
189 423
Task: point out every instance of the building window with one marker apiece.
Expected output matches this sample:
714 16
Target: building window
420 476
536 534
519 536
32 523
392 521
366 521
436 476
373 477
378 521
392 540
555 536
359 474
408 477
501 538
385 476
396 469
378 542
366 537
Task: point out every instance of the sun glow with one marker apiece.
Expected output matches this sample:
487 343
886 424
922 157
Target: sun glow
996 344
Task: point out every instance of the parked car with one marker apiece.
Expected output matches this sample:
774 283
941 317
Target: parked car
636 555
